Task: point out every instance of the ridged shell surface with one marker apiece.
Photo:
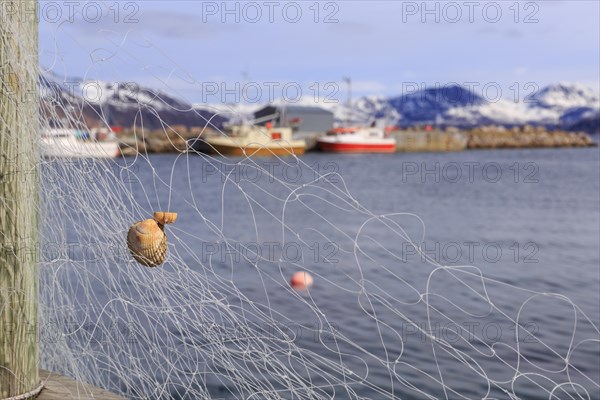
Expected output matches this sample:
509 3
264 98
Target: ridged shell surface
164 218
147 243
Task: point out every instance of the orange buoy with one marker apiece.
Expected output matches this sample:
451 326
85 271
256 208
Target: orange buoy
301 280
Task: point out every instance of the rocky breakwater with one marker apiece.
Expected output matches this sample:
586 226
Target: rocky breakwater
172 139
496 137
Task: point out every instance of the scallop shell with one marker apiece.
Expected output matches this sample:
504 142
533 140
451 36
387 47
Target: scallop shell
147 241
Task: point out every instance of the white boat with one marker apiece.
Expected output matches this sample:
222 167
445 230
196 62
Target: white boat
357 140
249 140
72 143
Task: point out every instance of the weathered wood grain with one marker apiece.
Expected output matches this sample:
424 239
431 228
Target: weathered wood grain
57 387
19 100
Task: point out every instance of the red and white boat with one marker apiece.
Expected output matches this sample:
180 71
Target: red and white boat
357 140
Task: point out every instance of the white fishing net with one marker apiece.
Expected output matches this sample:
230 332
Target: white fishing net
219 319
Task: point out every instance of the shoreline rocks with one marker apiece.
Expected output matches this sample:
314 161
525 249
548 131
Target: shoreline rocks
170 140
525 137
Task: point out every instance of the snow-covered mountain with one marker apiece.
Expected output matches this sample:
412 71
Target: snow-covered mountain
586 119
125 104
562 106
565 96
568 106
433 105
565 106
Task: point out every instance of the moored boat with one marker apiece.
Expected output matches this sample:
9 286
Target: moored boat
357 140
72 143
251 140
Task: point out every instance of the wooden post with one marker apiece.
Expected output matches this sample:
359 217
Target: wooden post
19 191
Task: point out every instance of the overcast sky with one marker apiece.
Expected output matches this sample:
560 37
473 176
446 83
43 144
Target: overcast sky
386 47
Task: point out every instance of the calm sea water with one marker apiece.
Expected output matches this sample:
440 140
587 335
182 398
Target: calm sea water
529 220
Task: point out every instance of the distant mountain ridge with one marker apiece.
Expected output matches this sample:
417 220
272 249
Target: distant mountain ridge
563 96
567 106
124 104
561 106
